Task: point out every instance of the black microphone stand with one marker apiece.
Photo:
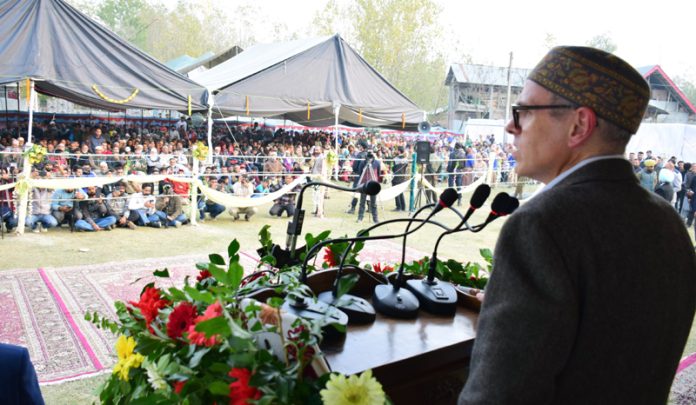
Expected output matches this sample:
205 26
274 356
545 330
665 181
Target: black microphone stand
358 309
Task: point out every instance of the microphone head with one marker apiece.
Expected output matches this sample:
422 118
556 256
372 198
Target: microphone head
371 188
500 203
480 196
503 204
448 197
512 204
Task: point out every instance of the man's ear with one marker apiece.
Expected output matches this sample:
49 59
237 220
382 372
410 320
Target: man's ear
584 125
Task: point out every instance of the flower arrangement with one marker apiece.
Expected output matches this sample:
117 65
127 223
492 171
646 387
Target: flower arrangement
200 151
36 154
210 342
331 158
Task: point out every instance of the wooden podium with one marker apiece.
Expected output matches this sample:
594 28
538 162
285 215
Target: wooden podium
418 361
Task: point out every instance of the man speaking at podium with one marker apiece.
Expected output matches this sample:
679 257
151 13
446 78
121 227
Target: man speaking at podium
594 287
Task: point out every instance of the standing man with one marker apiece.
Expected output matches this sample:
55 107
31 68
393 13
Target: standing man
401 174
565 319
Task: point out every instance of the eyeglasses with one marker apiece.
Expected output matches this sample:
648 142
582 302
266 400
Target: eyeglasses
517 108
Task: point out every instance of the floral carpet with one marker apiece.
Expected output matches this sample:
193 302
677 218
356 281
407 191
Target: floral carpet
43 309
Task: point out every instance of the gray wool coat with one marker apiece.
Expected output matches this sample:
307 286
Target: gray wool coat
591 298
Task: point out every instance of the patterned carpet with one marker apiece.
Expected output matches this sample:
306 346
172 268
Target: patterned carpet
684 386
43 310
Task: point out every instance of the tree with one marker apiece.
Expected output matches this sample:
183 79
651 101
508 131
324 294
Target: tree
399 38
603 42
687 87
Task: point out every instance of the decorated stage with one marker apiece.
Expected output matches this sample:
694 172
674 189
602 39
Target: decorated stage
43 309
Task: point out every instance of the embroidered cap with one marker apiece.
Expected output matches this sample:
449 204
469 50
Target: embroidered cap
593 78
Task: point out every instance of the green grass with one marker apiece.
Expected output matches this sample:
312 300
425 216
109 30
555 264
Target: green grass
59 247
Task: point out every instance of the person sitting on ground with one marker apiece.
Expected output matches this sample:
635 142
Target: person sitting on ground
64 204
243 188
116 205
205 204
169 208
41 219
286 202
143 204
95 216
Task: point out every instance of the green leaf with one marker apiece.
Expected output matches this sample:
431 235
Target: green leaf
197 357
235 274
202 296
164 273
219 274
177 294
233 248
214 326
346 283
216 259
202 266
219 388
275 302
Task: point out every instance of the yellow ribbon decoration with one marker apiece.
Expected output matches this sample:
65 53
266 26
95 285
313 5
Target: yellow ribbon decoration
309 114
247 105
111 100
189 105
360 116
403 120
28 91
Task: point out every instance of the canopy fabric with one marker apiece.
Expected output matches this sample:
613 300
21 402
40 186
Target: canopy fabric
72 57
286 80
665 140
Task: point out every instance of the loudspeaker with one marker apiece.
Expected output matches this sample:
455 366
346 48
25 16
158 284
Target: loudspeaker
423 152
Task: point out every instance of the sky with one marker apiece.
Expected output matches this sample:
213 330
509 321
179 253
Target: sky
645 32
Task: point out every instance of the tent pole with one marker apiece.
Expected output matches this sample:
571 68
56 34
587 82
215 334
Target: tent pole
210 129
7 119
336 108
26 170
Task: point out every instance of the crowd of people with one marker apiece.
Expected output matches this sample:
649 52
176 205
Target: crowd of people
246 161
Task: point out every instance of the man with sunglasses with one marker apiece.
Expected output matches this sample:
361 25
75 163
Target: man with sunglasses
576 310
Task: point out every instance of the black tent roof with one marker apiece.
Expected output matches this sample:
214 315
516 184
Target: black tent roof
72 57
285 80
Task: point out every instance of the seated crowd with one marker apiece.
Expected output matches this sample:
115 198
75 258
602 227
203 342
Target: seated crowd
246 162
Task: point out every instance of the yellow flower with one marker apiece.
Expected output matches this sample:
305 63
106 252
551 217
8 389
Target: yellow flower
354 390
126 358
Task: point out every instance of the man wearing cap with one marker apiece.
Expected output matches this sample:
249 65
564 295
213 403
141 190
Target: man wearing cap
648 176
574 312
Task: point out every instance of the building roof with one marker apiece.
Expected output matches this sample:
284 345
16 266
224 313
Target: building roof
487 75
656 76
184 61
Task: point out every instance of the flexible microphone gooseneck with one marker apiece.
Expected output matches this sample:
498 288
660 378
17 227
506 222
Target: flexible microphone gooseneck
435 296
295 226
358 309
304 308
503 204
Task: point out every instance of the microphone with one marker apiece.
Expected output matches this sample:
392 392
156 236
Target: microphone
295 226
357 309
393 301
439 297
503 204
477 199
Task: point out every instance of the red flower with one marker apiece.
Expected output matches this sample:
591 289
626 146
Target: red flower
377 268
240 390
203 275
330 257
198 338
180 319
150 303
178 386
